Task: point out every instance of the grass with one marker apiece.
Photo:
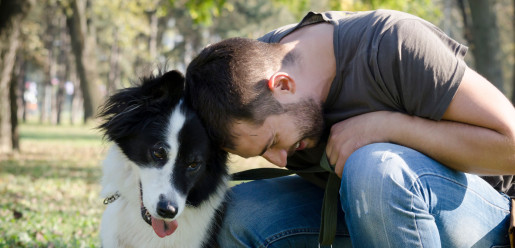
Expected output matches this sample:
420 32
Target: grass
50 190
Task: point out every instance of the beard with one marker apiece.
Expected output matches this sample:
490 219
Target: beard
309 117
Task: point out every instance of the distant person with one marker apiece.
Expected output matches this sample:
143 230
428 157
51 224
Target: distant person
389 99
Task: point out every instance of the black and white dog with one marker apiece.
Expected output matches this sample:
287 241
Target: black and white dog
164 181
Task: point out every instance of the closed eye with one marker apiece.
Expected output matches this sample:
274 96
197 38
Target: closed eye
270 143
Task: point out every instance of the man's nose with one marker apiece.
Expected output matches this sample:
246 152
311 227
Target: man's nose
277 157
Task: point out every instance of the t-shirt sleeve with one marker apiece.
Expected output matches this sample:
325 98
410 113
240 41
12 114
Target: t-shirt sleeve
276 35
419 66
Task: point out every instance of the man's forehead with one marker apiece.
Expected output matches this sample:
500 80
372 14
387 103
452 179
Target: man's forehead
250 140
243 128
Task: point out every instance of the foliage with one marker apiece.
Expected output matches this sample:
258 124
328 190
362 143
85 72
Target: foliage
298 7
252 19
204 11
426 9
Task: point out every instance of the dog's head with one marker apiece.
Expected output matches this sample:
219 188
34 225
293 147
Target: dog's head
167 146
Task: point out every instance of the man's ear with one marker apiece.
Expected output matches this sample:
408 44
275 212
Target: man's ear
281 81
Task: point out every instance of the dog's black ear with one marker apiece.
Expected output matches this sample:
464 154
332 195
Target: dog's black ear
168 87
129 106
174 83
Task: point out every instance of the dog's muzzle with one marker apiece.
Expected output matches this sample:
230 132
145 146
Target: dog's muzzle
161 227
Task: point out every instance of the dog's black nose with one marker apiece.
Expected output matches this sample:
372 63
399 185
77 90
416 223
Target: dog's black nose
166 209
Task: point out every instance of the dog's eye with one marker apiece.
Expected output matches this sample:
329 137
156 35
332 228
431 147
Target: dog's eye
193 166
159 152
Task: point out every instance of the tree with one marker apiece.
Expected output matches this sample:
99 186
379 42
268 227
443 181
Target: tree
82 34
485 45
12 12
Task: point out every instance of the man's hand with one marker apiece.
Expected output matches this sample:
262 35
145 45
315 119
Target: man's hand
349 135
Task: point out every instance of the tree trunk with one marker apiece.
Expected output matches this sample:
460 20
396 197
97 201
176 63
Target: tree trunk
64 71
485 45
78 102
83 46
21 90
467 32
113 80
8 45
44 91
59 101
17 76
11 14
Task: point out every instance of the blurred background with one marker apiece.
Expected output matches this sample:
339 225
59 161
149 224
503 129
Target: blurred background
59 59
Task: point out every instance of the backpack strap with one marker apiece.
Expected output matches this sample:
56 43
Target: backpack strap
330 203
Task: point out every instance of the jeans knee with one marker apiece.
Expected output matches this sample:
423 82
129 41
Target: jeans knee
371 167
374 161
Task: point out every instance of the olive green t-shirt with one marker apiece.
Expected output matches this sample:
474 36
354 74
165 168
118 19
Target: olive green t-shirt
385 60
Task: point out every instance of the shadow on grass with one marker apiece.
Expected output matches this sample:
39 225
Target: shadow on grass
37 169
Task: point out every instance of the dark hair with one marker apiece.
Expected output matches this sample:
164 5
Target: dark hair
227 82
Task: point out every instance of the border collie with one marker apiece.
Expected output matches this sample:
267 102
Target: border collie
164 181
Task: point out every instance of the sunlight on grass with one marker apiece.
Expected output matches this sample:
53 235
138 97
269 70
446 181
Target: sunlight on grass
50 190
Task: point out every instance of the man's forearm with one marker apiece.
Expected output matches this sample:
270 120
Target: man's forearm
460 146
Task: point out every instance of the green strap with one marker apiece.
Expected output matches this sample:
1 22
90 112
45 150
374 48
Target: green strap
329 214
329 205
260 173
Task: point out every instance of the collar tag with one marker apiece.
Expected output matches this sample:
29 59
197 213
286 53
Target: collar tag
112 198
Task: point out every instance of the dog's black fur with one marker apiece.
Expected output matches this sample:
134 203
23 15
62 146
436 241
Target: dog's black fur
139 120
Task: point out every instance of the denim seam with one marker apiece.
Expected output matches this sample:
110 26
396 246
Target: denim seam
382 219
287 233
381 193
415 179
458 183
415 220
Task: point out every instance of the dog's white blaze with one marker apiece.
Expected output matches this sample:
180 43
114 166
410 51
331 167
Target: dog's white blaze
158 181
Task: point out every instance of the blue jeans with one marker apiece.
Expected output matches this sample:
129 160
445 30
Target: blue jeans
392 196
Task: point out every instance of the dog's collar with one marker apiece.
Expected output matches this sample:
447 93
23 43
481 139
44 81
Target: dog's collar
144 212
112 198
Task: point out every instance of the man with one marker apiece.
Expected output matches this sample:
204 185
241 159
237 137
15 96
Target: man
387 97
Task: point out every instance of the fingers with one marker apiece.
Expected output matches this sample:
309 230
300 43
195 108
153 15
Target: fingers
338 149
337 158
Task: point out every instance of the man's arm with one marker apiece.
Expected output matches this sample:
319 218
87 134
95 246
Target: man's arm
476 134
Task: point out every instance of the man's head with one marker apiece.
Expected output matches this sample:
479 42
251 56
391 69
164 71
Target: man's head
279 136
240 81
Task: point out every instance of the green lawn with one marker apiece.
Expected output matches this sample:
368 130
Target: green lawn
49 192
